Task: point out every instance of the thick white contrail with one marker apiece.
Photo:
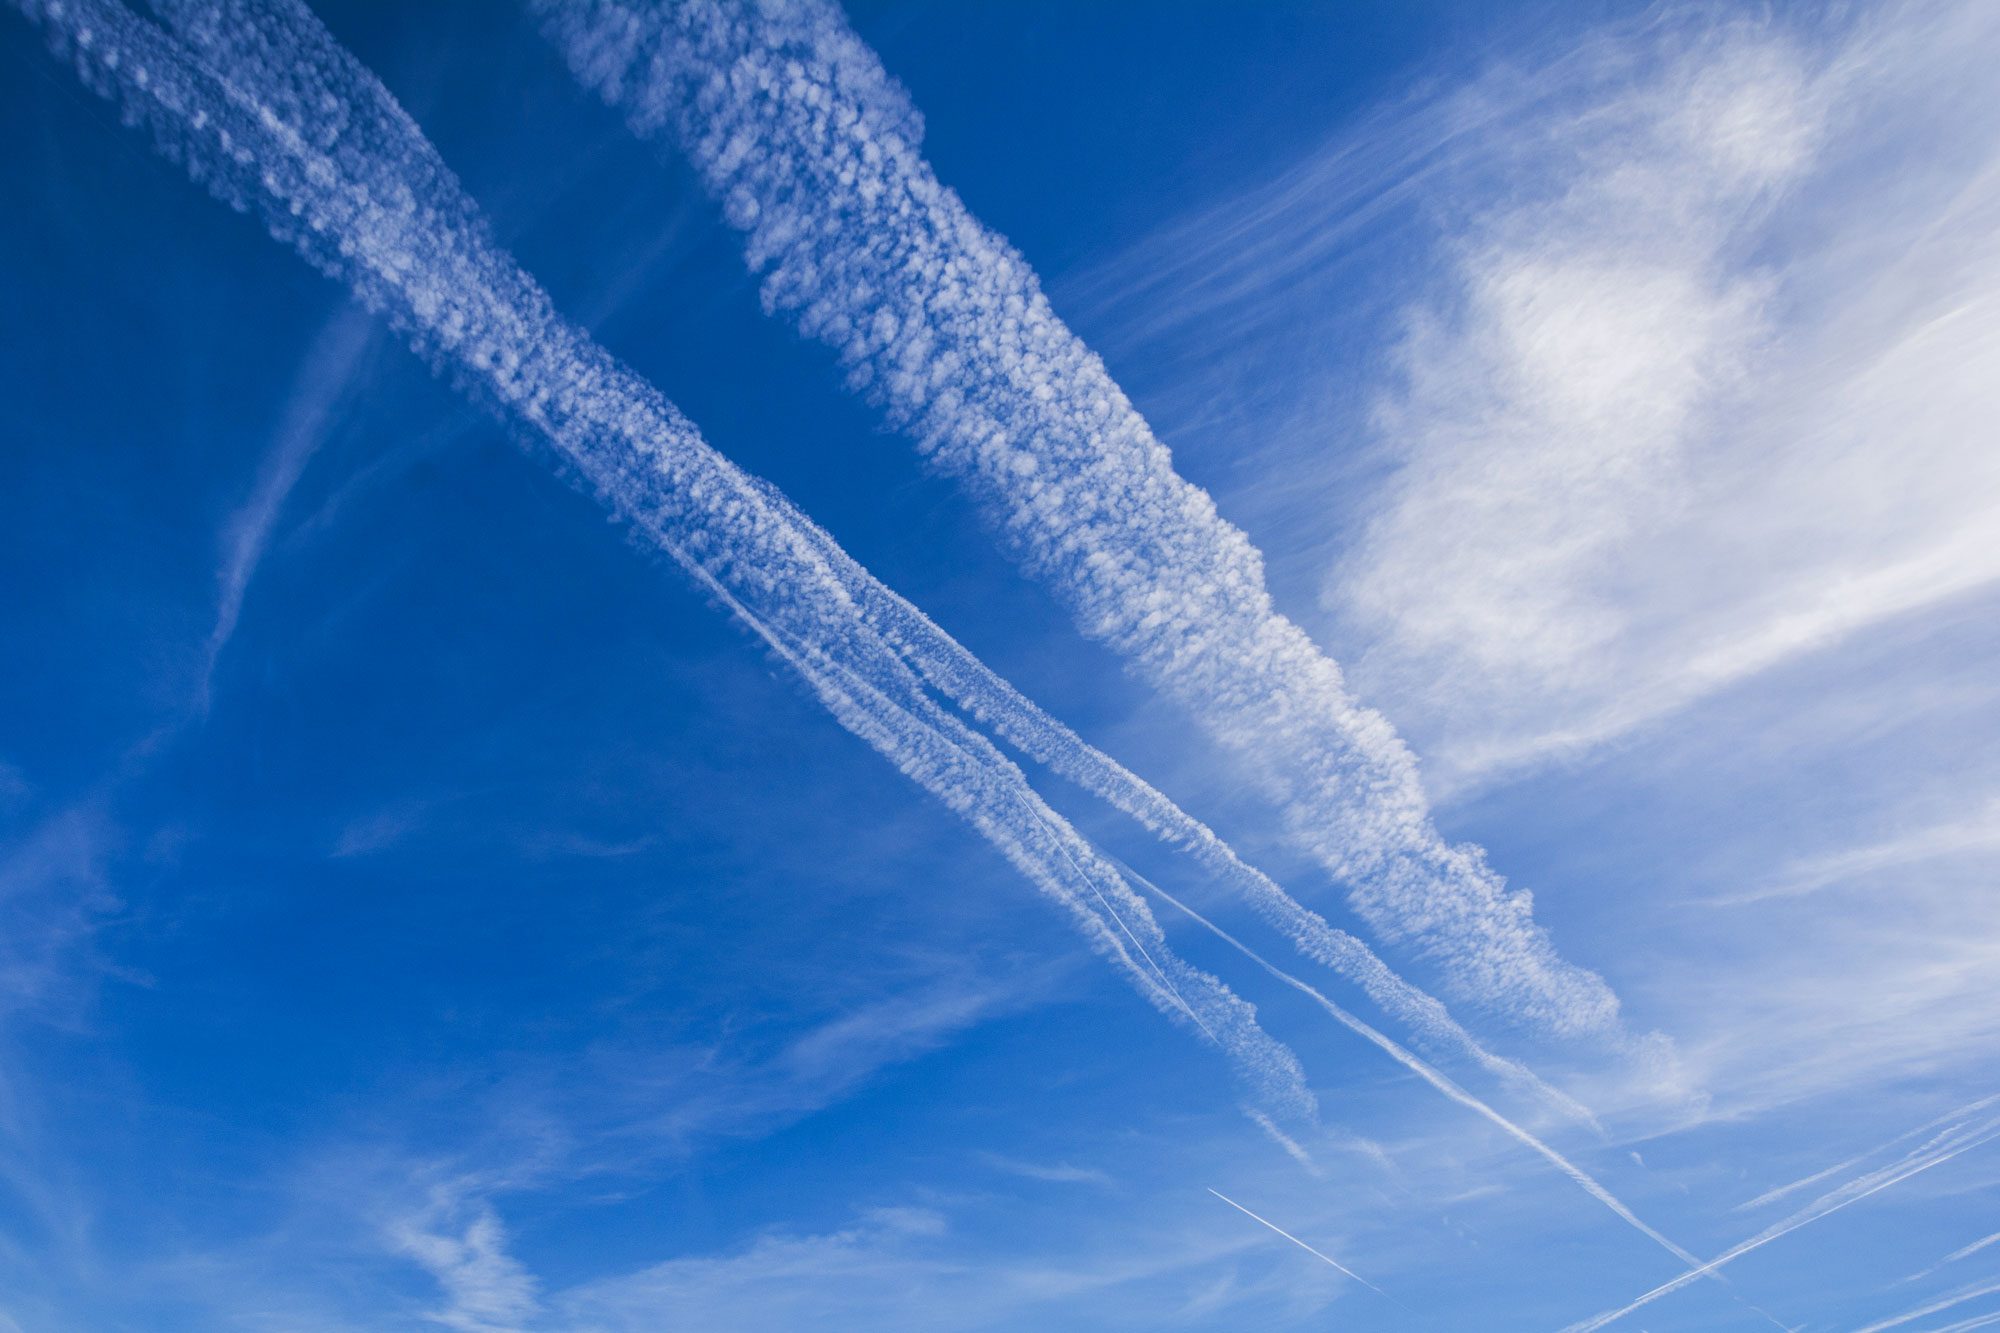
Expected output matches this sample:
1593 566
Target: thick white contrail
1323 1258
814 152
955 672
1959 1139
267 111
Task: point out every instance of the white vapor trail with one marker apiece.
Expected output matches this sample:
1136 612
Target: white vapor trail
1323 1258
1967 1325
1963 1252
813 151
1942 1148
955 672
261 106
1773 1195
1433 1076
1934 1307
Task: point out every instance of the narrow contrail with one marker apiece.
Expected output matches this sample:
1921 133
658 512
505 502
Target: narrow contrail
1773 1195
955 672
263 108
1964 1251
1942 1303
813 151
1955 1142
1436 1078
1323 1258
1967 1325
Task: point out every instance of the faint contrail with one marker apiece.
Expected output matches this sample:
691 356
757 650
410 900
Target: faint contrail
327 372
267 111
1771 1196
1936 1153
1961 1253
1942 1303
814 152
1323 1258
1967 1325
1435 1077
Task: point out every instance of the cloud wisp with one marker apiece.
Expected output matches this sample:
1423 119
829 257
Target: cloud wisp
1962 1252
462 1243
270 114
1703 388
1436 1078
1323 1258
1943 1147
328 372
814 152
1848 1164
1942 1303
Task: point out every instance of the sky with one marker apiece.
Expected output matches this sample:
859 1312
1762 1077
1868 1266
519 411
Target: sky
734 666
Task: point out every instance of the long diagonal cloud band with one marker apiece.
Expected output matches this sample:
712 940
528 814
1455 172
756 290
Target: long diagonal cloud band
305 136
955 672
299 132
814 152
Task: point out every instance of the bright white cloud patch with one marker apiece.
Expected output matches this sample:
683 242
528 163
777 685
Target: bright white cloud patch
1708 386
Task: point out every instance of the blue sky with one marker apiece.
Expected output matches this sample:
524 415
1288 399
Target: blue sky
1529 839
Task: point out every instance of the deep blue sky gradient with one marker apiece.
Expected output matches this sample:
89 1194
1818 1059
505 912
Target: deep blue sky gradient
497 855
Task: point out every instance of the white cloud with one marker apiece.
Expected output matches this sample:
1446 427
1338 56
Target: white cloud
1952 837
330 369
1707 386
462 1243
1053 1173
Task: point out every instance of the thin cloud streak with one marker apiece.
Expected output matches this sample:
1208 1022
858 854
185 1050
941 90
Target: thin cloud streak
1805 1182
298 131
1941 1304
955 672
328 371
813 150
1436 1078
1934 1154
1323 1258
1963 1252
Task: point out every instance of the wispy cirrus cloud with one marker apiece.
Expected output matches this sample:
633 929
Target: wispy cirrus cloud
1953 836
462 1243
1050 1173
1703 390
329 371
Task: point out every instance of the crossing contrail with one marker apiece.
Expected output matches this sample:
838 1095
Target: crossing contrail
813 151
1431 1075
1959 1139
262 107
